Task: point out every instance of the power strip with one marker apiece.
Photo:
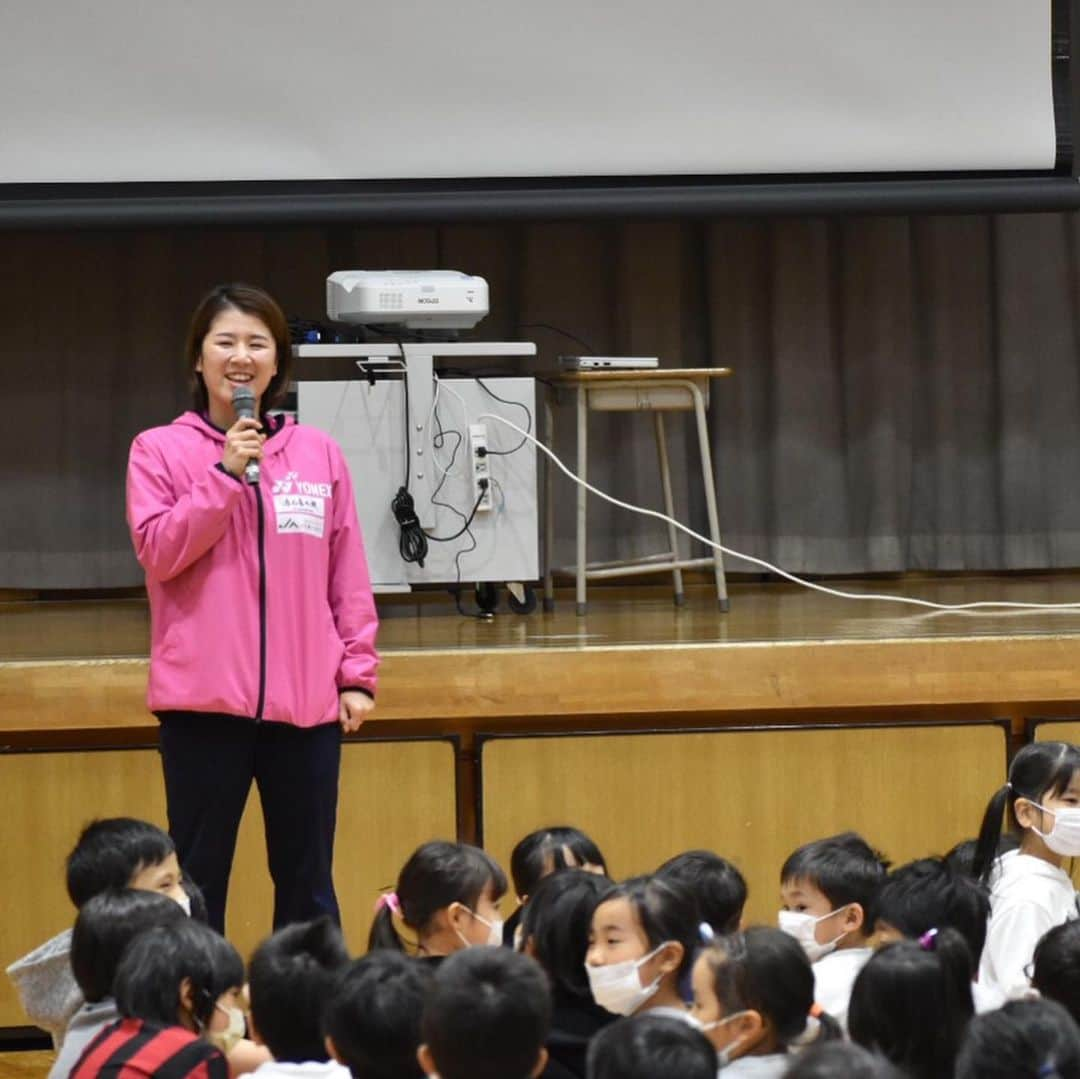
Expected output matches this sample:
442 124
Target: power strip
481 470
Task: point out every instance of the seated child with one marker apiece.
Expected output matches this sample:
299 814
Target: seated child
651 1047
927 894
291 981
116 853
829 891
106 924
753 998
447 895
1025 1039
555 932
544 852
641 942
176 987
372 1022
912 1002
486 1017
1056 967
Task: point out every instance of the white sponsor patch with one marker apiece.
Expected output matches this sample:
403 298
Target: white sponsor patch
304 514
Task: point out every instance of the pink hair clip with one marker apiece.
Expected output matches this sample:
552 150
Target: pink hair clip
389 900
928 941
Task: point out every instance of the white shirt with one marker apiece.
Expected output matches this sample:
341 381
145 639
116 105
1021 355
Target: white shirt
772 1066
834 976
310 1069
1028 897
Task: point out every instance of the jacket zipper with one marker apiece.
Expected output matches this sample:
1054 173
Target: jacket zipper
262 606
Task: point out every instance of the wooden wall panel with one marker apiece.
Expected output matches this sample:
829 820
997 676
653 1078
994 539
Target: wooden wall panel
752 796
394 795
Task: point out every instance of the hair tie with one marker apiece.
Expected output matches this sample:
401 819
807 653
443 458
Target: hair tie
928 941
390 899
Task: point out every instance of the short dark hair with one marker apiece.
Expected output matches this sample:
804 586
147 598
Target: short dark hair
252 300
374 1015
106 924
927 894
718 888
487 1015
844 868
291 979
1056 972
647 1046
841 1060
767 971
912 1002
155 963
665 910
110 852
556 919
544 851
1025 1039
437 874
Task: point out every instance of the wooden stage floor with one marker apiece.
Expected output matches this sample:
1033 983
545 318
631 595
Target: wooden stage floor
781 650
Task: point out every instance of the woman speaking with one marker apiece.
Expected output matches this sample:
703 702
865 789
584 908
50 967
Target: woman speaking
262 617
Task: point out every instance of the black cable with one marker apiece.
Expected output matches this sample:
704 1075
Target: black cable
412 543
558 330
525 408
468 520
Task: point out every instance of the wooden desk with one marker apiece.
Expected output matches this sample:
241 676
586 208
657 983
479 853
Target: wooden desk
658 390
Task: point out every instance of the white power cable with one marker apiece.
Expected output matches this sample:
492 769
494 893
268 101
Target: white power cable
983 605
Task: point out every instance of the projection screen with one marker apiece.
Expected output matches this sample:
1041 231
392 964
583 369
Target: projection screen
225 91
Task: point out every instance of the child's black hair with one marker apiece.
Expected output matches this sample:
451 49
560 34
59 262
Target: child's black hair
487 1015
110 852
844 868
766 970
374 1015
158 960
912 1002
436 875
961 858
718 888
841 1060
291 979
1038 770
556 919
1056 968
106 924
927 894
647 1046
665 910
1025 1039
544 851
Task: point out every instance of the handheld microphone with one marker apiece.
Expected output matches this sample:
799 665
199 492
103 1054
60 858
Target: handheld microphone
244 405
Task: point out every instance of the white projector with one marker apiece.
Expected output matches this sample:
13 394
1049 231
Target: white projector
413 299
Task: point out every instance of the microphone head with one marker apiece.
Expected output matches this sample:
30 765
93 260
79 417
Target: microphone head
243 402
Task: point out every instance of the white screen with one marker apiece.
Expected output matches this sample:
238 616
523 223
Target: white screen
207 90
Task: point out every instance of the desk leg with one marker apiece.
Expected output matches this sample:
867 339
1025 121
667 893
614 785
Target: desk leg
549 506
669 504
582 494
710 499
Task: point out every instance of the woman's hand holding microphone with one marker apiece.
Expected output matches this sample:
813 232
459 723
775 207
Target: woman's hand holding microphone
243 443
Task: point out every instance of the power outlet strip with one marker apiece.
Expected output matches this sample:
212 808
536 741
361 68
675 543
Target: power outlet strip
481 467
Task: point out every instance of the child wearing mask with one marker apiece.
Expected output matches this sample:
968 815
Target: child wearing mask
447 896
828 892
1030 892
753 998
178 990
641 941
119 852
291 982
912 1002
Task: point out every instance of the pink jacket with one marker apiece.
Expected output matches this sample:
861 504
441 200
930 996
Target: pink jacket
260 600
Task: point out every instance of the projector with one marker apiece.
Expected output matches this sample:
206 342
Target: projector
413 299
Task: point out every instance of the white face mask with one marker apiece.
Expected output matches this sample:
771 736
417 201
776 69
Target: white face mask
802 927
495 931
184 903
1064 837
617 987
226 1039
